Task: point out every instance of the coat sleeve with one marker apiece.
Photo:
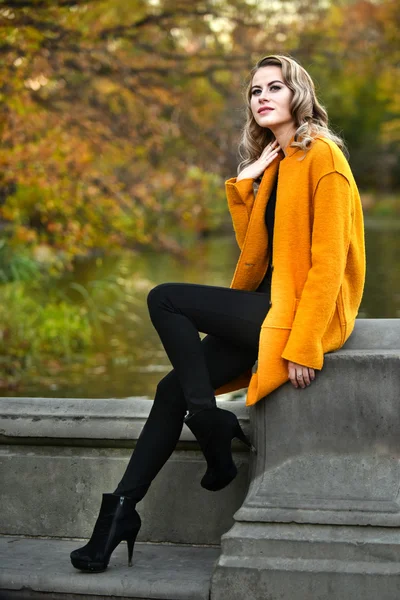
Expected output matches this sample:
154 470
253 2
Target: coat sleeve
331 231
240 197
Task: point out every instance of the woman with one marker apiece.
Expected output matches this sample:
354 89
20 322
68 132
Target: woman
294 296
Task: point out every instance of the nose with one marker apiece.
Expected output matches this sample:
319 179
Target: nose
264 95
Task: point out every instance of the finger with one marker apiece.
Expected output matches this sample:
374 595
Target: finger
312 374
266 152
268 158
270 147
275 150
306 376
300 379
292 376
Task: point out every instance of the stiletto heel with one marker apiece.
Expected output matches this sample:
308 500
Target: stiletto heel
214 429
240 435
130 542
117 521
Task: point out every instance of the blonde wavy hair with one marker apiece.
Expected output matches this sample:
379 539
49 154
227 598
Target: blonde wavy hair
310 116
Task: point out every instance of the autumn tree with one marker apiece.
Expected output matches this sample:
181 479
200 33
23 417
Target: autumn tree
120 120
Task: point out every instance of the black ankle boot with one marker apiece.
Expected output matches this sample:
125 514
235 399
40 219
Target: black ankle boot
215 429
117 521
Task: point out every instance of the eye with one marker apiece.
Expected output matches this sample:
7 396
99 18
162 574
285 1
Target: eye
275 88
255 92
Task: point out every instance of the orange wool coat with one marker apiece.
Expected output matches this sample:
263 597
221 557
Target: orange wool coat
318 260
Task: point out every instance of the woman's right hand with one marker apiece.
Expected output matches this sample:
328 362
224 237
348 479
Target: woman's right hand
258 167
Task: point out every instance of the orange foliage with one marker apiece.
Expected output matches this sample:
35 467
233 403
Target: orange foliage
120 120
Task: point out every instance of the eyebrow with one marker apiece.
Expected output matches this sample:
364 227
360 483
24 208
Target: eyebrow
270 83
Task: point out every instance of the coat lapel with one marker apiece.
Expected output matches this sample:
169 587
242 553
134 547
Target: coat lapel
252 265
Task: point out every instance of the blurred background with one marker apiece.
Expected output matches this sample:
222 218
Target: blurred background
120 122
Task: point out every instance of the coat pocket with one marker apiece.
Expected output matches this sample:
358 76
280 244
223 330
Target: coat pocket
281 317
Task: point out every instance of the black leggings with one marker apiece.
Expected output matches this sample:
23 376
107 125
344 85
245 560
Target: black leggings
232 319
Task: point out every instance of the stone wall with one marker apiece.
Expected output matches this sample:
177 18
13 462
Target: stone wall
57 456
320 519
322 514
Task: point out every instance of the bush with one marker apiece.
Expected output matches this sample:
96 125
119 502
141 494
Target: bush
16 265
31 330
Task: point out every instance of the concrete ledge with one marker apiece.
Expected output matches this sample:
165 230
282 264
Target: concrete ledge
330 453
370 334
59 455
38 568
308 562
322 515
108 422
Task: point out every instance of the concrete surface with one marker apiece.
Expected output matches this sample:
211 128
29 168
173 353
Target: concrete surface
330 453
308 562
40 568
48 469
99 422
42 484
322 515
374 334
320 520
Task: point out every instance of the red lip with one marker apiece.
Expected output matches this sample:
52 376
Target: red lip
264 108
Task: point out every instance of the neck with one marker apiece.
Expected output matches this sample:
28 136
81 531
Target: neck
284 136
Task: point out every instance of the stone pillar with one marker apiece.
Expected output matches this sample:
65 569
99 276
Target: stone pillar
322 515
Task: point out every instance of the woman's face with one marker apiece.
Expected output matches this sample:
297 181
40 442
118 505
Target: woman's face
270 100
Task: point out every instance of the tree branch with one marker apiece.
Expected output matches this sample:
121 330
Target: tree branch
14 4
123 30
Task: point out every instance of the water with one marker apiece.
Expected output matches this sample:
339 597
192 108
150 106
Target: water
129 359
382 287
